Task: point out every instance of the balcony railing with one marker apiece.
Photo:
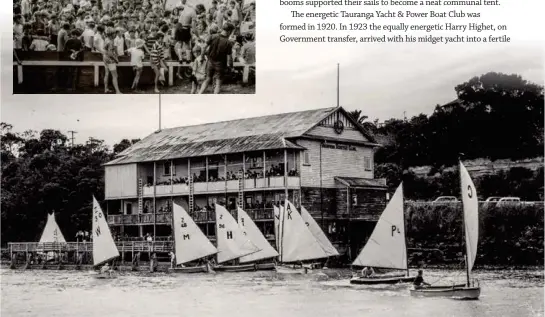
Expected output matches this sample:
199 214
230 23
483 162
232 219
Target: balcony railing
198 216
222 186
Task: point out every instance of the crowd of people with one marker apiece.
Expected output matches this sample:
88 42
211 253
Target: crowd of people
274 171
209 39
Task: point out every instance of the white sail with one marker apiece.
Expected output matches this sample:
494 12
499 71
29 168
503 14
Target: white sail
276 215
232 243
386 246
318 233
104 248
253 233
52 232
471 215
297 242
190 242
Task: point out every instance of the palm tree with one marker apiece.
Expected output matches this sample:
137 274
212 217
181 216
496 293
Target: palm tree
356 115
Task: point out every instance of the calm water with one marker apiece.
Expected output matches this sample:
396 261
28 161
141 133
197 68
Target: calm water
261 294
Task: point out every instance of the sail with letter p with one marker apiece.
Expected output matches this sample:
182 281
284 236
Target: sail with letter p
254 234
386 246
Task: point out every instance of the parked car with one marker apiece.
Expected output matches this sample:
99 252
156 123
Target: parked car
493 199
508 201
446 199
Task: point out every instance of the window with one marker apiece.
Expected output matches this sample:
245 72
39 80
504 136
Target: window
306 158
367 163
166 169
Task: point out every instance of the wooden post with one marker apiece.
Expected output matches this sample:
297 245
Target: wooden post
246 74
122 252
286 173
20 74
96 75
170 74
154 197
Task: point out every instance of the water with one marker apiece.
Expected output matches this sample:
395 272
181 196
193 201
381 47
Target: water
260 294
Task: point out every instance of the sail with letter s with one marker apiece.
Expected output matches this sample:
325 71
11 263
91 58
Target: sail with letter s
253 233
386 246
104 248
232 243
318 233
190 242
52 232
297 242
471 215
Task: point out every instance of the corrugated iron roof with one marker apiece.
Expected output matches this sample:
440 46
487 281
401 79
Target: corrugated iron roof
235 136
362 182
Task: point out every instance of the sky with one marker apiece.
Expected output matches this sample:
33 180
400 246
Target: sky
382 80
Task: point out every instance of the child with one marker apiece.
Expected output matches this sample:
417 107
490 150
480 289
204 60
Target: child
40 42
157 60
109 56
137 56
119 43
198 69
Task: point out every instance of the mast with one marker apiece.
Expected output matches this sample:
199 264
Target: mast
405 235
463 221
282 218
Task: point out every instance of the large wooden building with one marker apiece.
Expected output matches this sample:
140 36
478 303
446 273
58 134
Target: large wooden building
321 159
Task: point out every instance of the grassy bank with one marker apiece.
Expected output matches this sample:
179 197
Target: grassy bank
508 235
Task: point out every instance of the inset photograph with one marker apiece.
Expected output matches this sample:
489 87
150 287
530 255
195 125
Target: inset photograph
134 46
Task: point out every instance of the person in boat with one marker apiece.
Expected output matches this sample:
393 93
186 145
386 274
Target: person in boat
419 280
106 269
367 272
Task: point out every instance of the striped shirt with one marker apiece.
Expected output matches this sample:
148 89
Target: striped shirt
157 51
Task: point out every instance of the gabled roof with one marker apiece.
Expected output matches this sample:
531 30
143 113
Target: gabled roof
235 136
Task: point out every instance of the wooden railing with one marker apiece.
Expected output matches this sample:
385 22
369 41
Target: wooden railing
91 59
198 216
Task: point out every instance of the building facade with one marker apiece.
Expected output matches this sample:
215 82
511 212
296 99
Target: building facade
321 159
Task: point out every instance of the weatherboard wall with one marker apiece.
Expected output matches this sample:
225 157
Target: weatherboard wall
121 181
333 162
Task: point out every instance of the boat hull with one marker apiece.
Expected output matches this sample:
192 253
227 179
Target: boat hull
382 280
266 266
190 269
104 276
456 292
236 268
284 269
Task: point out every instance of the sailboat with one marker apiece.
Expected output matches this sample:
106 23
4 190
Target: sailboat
104 248
232 243
252 232
471 227
386 247
51 234
318 233
190 243
297 243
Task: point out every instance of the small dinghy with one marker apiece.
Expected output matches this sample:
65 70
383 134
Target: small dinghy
104 248
236 268
190 243
393 279
297 242
190 269
252 232
233 243
460 291
471 228
386 247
